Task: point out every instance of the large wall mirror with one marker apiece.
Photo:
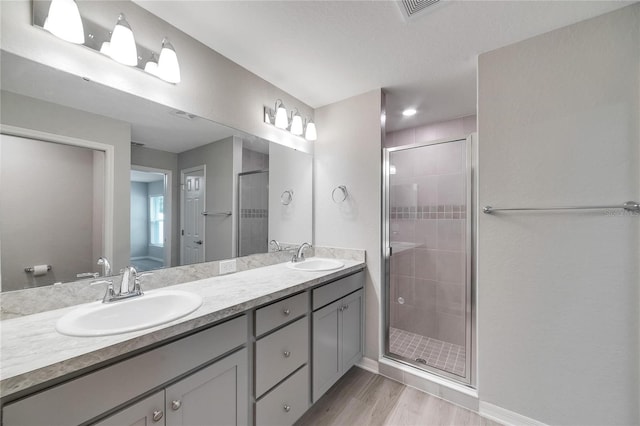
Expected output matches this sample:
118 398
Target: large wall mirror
194 190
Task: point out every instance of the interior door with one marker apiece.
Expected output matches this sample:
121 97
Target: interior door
193 204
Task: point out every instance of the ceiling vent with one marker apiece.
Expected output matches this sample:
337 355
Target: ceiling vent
413 7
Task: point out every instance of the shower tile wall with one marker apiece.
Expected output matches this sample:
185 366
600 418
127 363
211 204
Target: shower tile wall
428 236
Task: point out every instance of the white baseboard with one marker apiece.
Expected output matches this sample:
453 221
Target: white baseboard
506 417
369 365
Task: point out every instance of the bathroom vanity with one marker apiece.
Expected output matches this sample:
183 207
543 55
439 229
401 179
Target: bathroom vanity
264 345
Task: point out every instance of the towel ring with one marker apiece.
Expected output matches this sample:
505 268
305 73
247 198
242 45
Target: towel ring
286 197
339 194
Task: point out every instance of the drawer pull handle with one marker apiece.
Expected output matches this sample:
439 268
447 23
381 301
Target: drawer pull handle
157 415
286 354
175 404
286 407
286 312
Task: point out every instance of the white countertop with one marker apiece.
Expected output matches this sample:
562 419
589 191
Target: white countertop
32 352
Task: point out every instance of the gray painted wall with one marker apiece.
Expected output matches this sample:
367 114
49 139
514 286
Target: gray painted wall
34 114
348 152
47 211
218 158
558 292
290 170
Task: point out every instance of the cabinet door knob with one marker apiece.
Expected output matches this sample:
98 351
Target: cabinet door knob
175 404
286 312
341 308
157 415
286 354
346 307
286 407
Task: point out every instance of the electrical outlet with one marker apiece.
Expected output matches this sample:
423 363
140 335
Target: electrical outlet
227 266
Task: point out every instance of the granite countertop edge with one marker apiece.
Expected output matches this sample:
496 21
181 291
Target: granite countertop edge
259 286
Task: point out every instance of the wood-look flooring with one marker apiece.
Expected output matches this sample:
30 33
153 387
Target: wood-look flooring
361 398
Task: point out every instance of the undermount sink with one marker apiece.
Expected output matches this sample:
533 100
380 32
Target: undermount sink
316 264
150 309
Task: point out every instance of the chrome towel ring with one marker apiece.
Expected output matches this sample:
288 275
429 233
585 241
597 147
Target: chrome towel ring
339 194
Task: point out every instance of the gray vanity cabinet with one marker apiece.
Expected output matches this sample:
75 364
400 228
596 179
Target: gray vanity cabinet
216 394
337 333
149 411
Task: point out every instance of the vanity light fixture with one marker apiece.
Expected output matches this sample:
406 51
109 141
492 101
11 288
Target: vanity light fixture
123 45
409 112
310 133
168 67
64 21
282 121
296 124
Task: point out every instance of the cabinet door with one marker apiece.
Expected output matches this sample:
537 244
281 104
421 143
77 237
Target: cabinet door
352 341
327 336
148 412
217 394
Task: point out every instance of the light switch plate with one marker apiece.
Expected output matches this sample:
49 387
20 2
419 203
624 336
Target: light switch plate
227 266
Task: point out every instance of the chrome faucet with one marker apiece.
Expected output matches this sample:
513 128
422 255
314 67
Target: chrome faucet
129 274
275 244
106 266
299 256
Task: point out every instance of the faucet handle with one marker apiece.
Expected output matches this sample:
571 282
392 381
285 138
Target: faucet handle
136 282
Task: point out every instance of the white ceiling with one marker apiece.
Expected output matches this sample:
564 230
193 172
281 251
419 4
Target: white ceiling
326 51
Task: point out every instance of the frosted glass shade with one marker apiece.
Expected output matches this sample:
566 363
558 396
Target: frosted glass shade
296 125
123 45
282 121
64 21
311 134
105 49
168 66
151 67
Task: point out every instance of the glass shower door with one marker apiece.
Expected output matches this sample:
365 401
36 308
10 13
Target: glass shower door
253 208
428 263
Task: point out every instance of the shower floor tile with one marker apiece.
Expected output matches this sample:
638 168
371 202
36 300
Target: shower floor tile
436 353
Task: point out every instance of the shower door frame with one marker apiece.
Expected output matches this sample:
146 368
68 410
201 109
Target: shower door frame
470 274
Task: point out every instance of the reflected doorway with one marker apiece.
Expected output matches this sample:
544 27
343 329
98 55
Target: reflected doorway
193 245
150 218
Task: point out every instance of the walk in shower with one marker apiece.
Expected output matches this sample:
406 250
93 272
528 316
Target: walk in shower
428 233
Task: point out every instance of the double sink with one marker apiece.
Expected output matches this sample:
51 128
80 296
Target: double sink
151 309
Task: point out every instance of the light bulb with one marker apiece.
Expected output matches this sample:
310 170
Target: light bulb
311 134
105 49
123 45
296 124
282 121
409 112
64 21
168 67
152 65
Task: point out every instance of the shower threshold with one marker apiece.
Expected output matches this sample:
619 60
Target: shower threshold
428 351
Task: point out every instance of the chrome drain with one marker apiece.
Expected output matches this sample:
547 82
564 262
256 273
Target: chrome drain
421 360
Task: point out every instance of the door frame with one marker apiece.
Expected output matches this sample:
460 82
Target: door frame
109 175
184 172
168 221
471 250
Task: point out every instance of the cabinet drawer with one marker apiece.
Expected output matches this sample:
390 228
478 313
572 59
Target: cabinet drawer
281 353
281 312
328 293
286 403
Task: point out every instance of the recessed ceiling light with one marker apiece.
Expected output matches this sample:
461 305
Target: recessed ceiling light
409 112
